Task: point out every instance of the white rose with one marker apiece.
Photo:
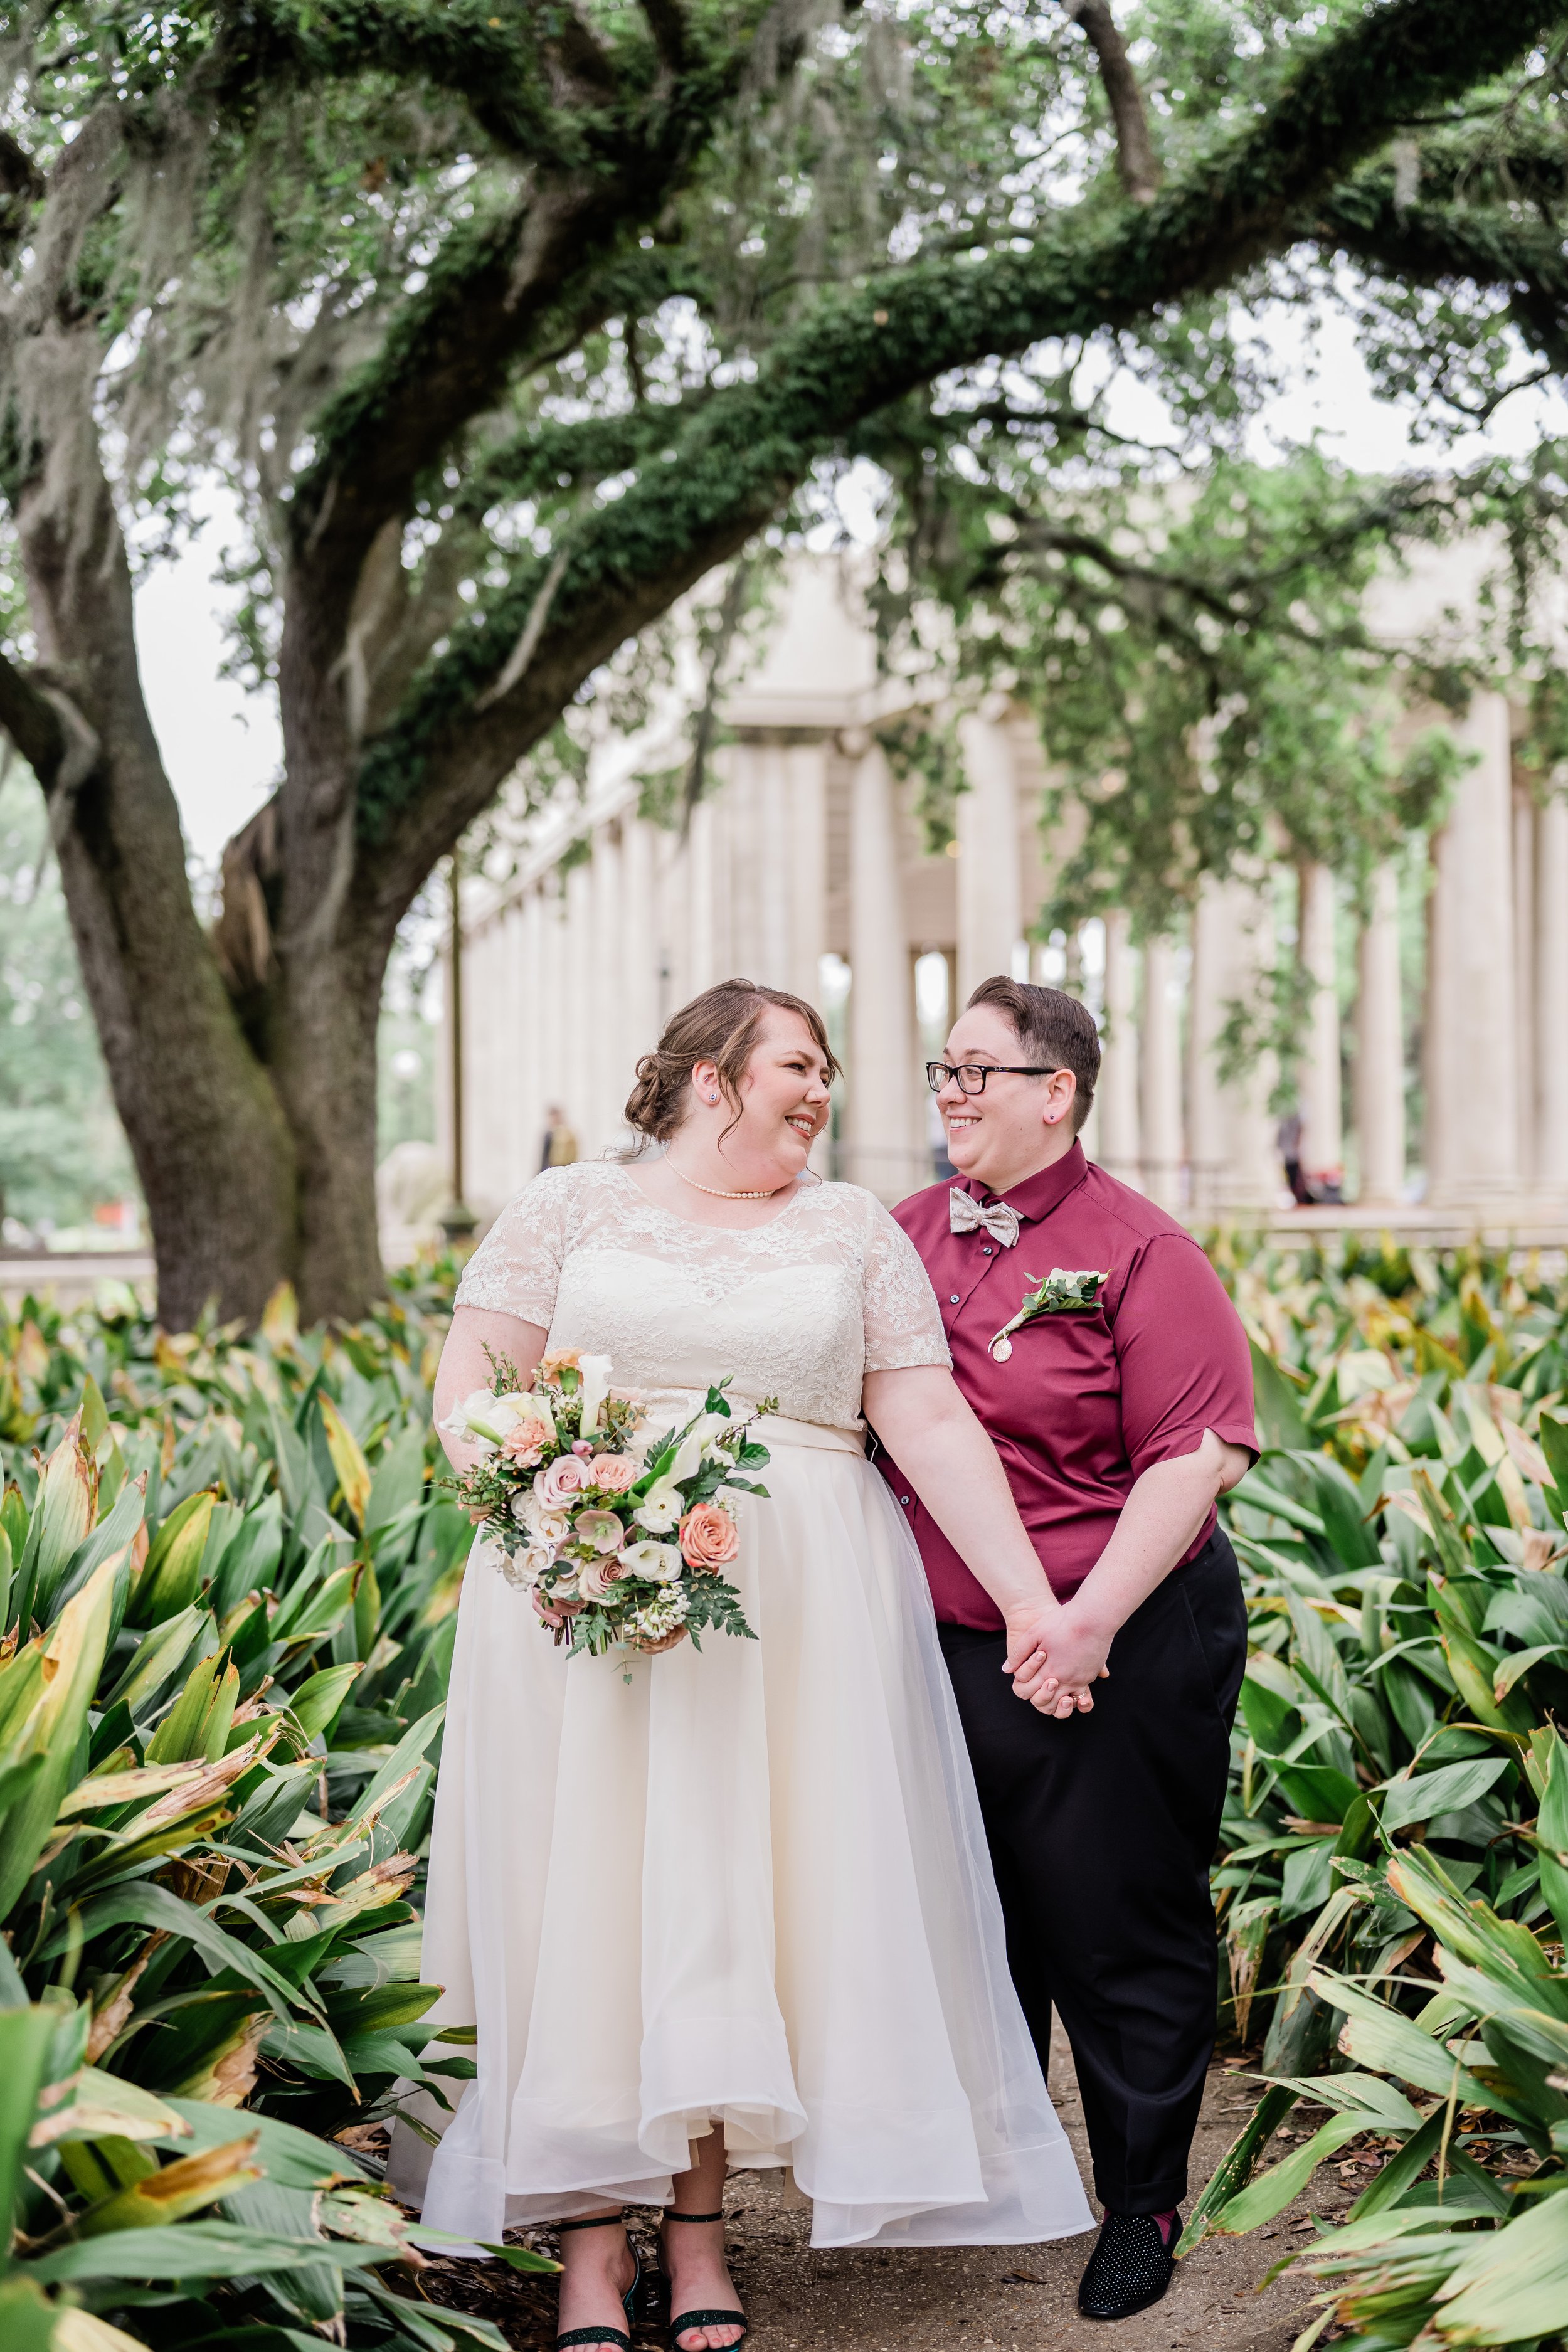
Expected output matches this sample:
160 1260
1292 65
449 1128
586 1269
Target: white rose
661 1561
660 1508
594 1372
524 1568
546 1527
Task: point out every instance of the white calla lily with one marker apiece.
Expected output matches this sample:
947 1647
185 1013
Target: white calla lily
689 1454
594 1372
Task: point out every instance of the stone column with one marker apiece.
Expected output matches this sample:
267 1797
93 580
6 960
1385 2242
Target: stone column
578 1094
1472 1094
804 767
606 998
1525 1010
639 1025
767 954
1117 1094
1380 1047
1318 1083
556 969
1231 1133
533 1079
882 1152
709 884
1551 991
990 918
739 811
1159 1076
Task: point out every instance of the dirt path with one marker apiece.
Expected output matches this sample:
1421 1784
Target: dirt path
987 2299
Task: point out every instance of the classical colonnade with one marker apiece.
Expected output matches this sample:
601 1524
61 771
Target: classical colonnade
803 865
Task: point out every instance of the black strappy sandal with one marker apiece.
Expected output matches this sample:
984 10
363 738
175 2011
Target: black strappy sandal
605 2334
679 2325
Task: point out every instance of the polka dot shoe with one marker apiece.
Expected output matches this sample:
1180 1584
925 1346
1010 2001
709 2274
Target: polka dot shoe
1130 2268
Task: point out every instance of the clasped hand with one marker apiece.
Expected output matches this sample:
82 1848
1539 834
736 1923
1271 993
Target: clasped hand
1055 1657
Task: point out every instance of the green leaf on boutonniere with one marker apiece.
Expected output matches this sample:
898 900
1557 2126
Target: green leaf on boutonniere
1061 1293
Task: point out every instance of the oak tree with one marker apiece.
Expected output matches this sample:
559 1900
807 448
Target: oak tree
507 320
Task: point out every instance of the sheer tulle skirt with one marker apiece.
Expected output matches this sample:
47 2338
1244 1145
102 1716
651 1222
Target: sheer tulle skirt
748 1885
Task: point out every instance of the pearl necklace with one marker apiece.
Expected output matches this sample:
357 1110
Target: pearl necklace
714 1193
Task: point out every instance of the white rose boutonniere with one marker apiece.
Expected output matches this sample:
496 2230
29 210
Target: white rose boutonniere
1061 1293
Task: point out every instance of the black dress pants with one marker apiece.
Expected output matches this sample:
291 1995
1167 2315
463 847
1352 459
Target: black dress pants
1102 1830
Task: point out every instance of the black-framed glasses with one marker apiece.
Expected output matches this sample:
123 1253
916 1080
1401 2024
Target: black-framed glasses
972 1075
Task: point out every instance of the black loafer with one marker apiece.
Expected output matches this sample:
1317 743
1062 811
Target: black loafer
1130 2268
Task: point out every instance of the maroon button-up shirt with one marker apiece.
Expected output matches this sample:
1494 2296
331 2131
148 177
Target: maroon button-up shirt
1091 1397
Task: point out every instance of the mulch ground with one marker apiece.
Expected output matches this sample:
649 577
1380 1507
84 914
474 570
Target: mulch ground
1012 2298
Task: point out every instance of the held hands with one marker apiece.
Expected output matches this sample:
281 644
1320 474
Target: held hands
1055 1655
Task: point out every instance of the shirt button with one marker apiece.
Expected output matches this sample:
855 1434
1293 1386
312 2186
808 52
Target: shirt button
986 1252
904 1499
952 1298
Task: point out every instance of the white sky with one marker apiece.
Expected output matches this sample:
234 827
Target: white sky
222 746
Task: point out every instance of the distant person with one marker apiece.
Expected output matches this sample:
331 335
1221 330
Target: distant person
1287 1141
560 1143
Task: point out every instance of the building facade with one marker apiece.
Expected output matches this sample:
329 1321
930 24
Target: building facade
803 865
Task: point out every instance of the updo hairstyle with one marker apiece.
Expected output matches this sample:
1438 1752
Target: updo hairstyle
718 1026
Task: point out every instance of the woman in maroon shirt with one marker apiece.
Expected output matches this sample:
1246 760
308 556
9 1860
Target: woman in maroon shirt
1121 1407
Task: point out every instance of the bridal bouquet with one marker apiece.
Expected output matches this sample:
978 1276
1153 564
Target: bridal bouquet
614 1536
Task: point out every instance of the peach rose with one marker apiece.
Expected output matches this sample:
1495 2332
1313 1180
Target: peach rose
522 1445
598 1579
561 1482
709 1537
615 1474
564 1360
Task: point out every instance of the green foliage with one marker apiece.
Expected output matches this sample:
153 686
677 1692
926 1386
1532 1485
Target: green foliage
233 1558
1393 1885
229 1598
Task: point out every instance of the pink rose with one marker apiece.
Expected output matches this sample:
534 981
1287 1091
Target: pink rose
582 1446
522 1445
598 1579
615 1474
600 1530
561 1482
709 1537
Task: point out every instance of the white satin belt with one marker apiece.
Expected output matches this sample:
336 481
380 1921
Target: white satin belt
676 1405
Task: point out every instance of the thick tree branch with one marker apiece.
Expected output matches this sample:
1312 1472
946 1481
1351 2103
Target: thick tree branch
492 298
500 70
32 722
1135 158
856 352
1444 243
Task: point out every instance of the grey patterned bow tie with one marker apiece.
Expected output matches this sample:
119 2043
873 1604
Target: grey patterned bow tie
965 1216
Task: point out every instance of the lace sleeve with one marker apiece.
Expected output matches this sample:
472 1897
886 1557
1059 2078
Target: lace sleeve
904 1322
517 1266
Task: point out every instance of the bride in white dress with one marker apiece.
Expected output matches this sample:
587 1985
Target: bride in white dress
734 1906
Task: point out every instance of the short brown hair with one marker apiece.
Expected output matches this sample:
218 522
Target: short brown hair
1052 1027
718 1026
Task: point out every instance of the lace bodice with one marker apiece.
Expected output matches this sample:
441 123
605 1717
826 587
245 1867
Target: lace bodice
800 1308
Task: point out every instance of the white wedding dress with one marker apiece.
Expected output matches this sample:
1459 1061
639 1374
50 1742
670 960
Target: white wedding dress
749 1883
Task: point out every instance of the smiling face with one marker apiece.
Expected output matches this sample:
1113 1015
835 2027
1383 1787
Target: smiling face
1018 1125
785 1101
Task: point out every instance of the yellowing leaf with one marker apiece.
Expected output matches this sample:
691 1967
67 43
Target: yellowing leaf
280 1317
348 1461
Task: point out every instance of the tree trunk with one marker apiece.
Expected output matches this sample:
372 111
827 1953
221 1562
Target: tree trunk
322 1056
210 1144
